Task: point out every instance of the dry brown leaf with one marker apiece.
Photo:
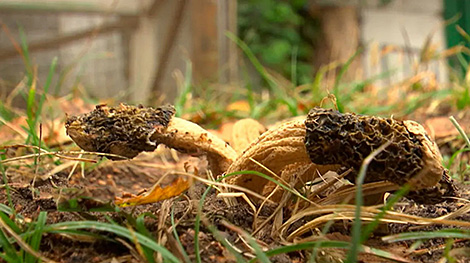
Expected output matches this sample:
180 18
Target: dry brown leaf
156 194
441 127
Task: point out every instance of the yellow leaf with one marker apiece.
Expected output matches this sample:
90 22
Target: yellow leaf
156 194
239 105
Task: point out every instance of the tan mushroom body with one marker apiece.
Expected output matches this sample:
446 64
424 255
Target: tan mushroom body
332 140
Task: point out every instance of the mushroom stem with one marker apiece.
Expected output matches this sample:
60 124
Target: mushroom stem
188 137
275 149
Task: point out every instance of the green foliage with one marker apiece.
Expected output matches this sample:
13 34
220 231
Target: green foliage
18 254
177 237
276 31
34 102
35 239
6 114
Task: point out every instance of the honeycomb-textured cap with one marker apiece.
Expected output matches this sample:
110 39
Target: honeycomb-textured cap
347 139
123 130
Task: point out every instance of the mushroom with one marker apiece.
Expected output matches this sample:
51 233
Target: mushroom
331 140
328 139
244 132
128 130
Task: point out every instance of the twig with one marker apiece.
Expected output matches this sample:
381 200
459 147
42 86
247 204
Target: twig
46 153
57 154
36 161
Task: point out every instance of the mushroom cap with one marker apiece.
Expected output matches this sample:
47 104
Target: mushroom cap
123 130
347 139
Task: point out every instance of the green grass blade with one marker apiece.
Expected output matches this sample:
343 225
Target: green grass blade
36 237
444 233
356 229
116 229
454 155
461 131
197 224
6 209
46 90
254 61
221 239
26 57
304 246
8 249
462 60
187 88
329 244
387 207
341 72
7 186
260 254
293 77
197 220
30 114
177 237
73 232
272 84
140 227
10 223
9 259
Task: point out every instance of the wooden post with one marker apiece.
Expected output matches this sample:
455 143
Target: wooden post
143 56
228 50
204 40
340 37
169 45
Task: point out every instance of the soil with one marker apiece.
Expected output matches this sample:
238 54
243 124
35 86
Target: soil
75 198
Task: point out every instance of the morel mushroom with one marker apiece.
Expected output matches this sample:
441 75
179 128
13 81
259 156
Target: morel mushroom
128 130
328 137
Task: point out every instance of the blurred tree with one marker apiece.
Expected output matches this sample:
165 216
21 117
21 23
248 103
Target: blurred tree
280 33
308 33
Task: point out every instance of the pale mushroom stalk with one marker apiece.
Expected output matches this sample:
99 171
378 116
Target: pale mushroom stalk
128 130
188 137
277 148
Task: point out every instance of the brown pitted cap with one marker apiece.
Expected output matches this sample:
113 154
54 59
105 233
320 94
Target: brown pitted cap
123 130
347 139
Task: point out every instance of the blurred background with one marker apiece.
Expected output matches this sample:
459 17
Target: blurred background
145 51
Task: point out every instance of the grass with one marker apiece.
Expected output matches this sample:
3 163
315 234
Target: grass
20 239
357 237
30 239
282 98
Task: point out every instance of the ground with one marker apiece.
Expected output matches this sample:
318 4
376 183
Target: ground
78 197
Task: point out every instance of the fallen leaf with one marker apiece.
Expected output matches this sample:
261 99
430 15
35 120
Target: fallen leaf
440 127
224 132
156 194
239 105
